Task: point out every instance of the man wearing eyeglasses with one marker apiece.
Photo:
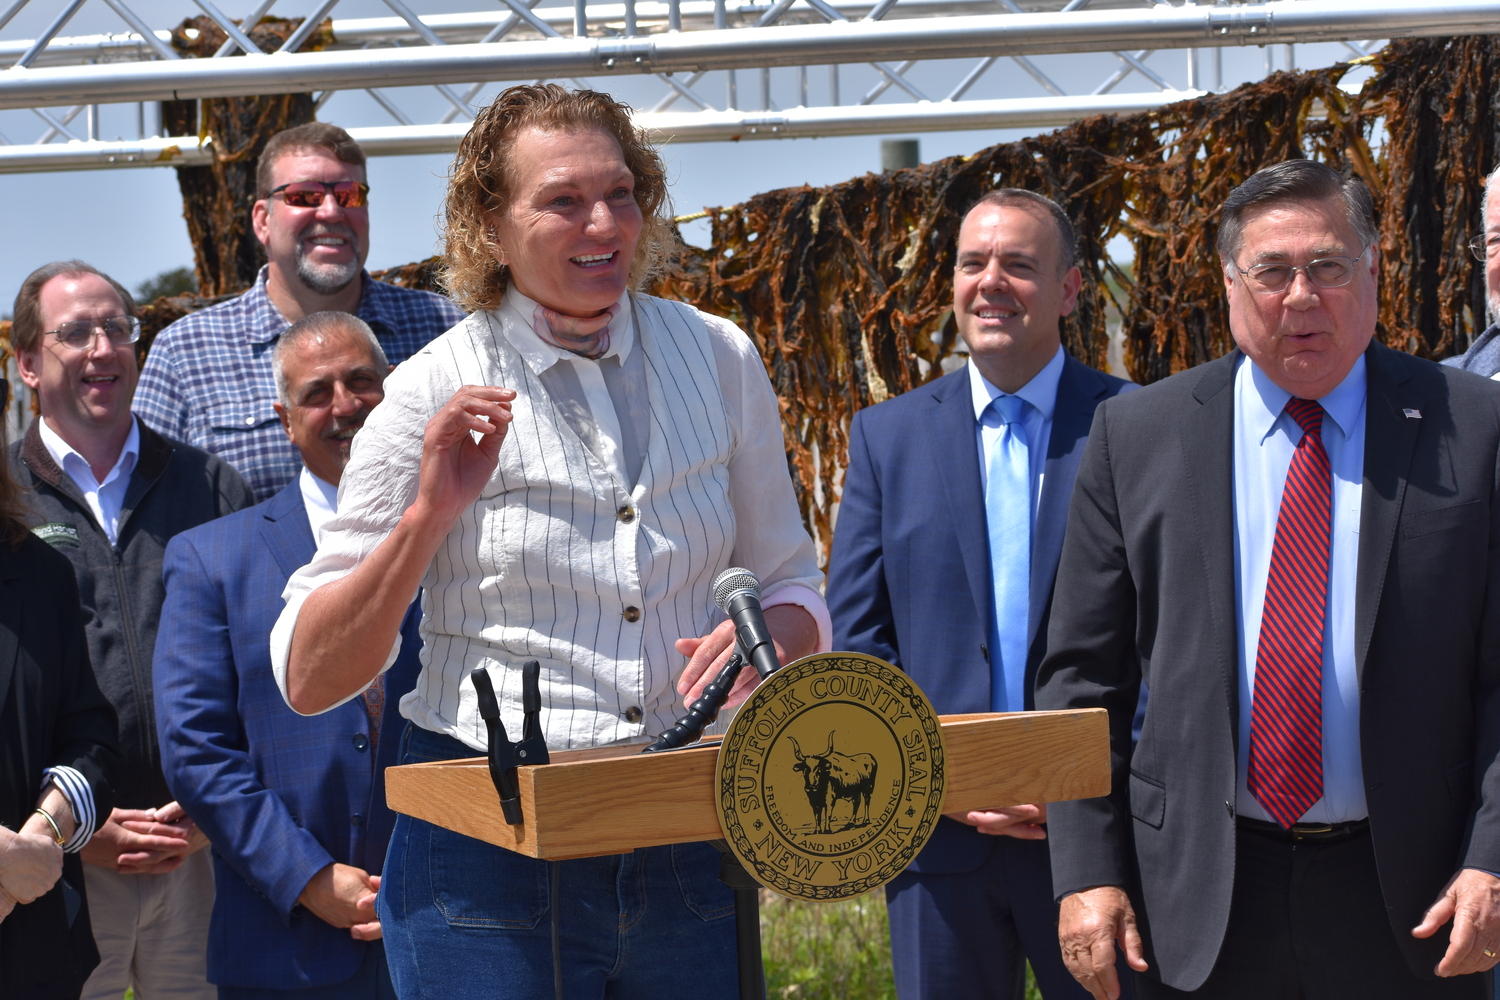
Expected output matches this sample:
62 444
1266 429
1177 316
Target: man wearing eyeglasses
207 379
1483 355
1297 547
108 492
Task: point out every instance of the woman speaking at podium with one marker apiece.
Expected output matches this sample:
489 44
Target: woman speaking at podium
563 474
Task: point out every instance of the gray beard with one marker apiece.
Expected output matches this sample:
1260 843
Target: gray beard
1494 309
325 279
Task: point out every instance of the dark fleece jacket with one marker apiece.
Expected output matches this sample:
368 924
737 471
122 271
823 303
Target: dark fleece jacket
174 487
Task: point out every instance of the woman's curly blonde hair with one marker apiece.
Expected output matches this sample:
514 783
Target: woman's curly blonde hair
480 186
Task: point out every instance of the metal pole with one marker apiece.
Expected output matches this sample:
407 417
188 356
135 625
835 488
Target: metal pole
801 86
630 18
833 84
789 45
674 15
580 18
691 126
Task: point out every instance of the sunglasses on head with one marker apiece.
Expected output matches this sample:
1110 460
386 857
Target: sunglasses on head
79 334
310 194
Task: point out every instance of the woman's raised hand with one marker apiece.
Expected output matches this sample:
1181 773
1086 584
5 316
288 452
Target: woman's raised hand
454 466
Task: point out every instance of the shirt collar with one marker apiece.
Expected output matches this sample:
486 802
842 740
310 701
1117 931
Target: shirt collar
515 318
70 461
1266 400
1040 392
318 491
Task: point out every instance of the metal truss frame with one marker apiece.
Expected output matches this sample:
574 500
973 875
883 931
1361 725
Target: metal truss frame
677 42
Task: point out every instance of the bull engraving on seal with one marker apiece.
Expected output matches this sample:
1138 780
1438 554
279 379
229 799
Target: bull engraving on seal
829 777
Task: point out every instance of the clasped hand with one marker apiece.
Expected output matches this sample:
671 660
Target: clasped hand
344 896
145 841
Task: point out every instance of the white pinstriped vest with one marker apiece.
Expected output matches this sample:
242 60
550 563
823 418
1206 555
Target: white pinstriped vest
594 579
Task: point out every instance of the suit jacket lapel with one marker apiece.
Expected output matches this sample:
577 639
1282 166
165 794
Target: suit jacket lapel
1390 441
1207 437
286 529
957 449
1078 392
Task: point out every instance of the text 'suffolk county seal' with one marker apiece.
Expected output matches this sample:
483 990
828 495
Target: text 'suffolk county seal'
830 779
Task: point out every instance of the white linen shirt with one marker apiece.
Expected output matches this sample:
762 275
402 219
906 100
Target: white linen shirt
104 498
560 560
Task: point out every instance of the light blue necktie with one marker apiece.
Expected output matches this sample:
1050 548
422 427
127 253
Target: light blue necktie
1007 513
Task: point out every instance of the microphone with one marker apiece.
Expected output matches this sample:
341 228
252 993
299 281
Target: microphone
737 593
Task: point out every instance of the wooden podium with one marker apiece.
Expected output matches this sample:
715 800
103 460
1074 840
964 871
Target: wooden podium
993 760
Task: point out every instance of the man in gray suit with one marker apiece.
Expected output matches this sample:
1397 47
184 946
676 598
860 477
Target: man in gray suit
1298 547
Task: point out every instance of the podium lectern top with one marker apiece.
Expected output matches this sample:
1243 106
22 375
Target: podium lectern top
615 799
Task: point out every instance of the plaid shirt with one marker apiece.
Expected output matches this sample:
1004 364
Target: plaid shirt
208 379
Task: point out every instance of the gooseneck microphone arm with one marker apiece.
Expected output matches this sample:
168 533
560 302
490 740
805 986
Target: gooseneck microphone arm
701 714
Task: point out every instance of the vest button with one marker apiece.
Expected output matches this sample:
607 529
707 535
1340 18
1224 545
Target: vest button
356 820
361 742
625 514
632 614
633 713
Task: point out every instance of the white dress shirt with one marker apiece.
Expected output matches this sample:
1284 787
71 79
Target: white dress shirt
1264 439
321 500
104 498
563 559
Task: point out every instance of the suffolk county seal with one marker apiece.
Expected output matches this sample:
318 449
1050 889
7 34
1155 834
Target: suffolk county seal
831 776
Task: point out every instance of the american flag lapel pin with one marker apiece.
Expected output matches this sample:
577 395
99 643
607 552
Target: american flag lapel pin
1412 414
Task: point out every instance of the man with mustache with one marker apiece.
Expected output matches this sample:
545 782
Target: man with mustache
294 805
208 379
1483 355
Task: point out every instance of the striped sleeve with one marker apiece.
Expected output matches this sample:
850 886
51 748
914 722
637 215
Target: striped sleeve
75 788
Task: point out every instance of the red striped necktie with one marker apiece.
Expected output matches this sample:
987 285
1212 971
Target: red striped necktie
1286 715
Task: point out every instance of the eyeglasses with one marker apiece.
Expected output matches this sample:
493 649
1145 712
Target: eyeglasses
1484 247
79 334
1325 272
310 194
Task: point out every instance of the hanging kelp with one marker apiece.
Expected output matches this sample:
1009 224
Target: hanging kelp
847 289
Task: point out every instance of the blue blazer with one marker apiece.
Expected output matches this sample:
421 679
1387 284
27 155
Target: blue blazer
280 795
909 575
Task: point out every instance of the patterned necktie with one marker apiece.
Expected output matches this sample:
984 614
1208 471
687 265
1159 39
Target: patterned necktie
1286 715
1007 514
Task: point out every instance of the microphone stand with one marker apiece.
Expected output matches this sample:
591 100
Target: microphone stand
685 732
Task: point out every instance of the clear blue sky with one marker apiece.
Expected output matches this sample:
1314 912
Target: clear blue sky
129 222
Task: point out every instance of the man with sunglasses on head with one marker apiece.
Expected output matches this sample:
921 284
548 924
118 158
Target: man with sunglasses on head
208 377
1297 546
108 493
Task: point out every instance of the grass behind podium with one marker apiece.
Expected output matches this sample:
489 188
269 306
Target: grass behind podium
830 951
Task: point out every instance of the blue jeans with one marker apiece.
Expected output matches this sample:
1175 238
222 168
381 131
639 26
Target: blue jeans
463 918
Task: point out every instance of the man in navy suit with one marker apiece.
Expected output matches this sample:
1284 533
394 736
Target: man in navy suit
948 536
295 806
